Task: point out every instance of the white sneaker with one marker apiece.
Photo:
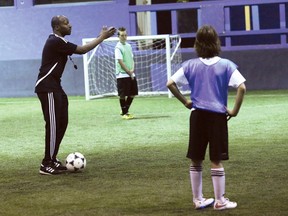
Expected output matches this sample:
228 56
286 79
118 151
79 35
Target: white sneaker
218 205
200 204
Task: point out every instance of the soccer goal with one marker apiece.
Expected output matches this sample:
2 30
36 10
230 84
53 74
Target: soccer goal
156 59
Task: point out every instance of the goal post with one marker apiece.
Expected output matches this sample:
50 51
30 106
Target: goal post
156 57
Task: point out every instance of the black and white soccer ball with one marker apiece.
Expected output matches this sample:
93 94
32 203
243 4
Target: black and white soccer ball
75 162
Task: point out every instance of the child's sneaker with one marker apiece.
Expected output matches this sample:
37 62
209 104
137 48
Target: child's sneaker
127 116
218 205
200 204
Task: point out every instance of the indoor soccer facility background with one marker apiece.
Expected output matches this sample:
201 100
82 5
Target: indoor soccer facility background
148 175
253 34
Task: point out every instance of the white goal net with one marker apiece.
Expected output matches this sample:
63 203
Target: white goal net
156 59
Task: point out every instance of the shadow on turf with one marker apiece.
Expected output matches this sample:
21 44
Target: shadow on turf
150 117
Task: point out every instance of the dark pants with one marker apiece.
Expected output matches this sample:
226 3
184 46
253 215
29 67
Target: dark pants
55 111
127 87
208 127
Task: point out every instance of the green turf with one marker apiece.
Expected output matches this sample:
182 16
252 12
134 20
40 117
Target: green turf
138 167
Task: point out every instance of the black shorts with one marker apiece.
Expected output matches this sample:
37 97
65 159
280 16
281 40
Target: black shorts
208 127
127 87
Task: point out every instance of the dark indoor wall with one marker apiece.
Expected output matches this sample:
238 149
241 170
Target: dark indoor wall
263 69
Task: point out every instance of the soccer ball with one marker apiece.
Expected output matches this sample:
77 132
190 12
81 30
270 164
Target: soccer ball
75 162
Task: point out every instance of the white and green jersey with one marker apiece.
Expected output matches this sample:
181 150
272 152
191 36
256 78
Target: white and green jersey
123 52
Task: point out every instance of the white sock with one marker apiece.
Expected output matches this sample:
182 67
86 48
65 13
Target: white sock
196 181
218 179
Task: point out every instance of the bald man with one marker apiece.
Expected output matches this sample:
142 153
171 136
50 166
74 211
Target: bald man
54 101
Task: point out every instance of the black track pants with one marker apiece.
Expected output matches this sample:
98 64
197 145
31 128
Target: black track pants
55 110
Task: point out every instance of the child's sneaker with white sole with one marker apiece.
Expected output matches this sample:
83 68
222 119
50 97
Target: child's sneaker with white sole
218 205
203 203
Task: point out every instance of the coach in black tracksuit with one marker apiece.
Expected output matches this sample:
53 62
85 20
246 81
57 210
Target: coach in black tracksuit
54 101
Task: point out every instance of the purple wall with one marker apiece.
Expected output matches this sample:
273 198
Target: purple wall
24 28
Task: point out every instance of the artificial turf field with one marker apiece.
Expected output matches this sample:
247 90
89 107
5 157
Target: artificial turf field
138 167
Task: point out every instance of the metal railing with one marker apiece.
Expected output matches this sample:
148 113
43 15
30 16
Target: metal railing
221 14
